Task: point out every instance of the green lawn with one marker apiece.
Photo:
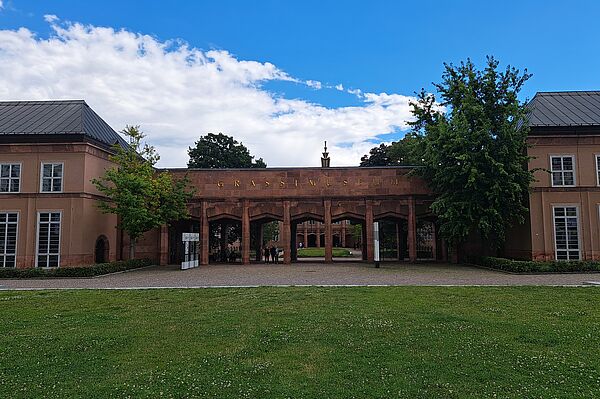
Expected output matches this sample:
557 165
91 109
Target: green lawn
302 343
320 252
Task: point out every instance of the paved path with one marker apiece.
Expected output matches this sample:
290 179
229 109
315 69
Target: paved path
303 274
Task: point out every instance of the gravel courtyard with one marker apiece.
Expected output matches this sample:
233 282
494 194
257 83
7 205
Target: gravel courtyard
303 274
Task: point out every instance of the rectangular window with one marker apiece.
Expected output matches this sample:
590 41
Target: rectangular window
566 233
8 238
48 240
598 169
52 177
10 177
563 170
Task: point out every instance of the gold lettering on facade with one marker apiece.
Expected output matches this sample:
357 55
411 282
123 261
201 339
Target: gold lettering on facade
253 183
345 182
328 183
312 182
236 183
296 182
375 182
220 184
396 181
267 183
281 183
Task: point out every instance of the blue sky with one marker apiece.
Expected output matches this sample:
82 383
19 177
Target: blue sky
375 46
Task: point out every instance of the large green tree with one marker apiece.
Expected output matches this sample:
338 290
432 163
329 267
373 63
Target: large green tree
473 141
217 151
402 152
142 197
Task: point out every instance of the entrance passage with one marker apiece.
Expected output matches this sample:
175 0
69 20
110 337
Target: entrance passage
331 210
310 236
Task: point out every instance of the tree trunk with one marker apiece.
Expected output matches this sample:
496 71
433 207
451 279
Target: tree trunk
131 249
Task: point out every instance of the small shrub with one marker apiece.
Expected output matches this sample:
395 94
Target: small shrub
80 271
530 266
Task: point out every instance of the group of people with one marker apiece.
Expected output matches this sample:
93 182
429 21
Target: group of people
270 254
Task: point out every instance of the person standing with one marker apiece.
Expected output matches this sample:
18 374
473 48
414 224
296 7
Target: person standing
266 253
273 254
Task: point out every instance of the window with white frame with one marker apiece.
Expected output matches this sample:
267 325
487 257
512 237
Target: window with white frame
566 233
8 238
52 177
10 177
563 170
48 239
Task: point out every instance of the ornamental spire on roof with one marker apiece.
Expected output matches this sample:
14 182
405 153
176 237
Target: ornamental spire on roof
325 158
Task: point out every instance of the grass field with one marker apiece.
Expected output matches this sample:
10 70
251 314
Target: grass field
427 342
320 252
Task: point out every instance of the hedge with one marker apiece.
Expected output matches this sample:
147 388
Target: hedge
529 266
80 271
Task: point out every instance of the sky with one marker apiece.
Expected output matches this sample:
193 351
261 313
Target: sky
280 76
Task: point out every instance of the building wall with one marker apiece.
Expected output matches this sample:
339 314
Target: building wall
585 195
81 222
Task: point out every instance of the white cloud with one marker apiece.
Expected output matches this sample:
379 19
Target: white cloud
177 93
339 87
1 5
315 84
50 18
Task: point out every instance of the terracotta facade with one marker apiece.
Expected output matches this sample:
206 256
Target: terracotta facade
537 238
313 206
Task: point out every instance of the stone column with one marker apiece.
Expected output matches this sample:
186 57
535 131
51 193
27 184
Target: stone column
398 255
164 245
412 230
285 234
204 235
318 233
245 234
328 235
343 237
369 233
294 243
363 240
305 227
434 241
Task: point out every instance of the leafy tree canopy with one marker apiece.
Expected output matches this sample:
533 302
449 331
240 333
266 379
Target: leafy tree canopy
403 152
142 198
473 144
218 151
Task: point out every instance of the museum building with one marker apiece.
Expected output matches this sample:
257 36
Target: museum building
51 150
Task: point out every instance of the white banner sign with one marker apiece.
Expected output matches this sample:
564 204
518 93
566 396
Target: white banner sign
190 237
376 241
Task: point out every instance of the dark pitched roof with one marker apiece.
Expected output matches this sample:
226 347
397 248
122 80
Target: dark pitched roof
61 117
564 108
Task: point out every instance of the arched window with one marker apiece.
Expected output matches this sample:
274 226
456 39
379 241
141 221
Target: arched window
101 250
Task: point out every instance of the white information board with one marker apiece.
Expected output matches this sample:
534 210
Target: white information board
190 250
376 242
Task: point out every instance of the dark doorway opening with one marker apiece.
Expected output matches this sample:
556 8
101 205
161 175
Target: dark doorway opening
101 250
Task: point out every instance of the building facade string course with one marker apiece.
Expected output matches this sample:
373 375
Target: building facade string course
50 151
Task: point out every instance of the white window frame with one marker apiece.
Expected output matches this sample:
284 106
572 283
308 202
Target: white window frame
62 178
37 247
561 156
577 214
16 240
13 178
